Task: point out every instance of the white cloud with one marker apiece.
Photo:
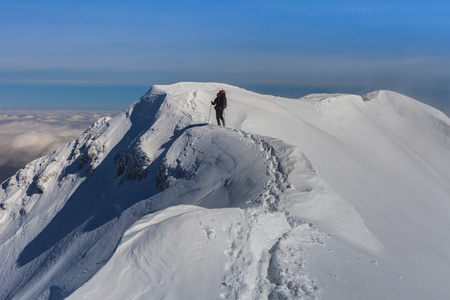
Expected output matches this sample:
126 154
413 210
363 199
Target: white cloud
8 117
77 118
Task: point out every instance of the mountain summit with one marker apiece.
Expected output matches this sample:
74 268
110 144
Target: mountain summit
328 196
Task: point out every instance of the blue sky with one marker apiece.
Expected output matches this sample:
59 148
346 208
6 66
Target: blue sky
106 54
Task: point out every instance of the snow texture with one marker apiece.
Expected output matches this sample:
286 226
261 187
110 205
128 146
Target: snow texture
323 197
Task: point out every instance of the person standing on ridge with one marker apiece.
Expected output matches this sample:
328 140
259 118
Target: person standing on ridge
220 104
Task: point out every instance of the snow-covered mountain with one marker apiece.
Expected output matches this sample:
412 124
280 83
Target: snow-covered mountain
323 197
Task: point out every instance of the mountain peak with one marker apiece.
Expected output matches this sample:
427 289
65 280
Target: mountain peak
288 199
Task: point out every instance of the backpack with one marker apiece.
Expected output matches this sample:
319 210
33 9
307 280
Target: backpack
222 99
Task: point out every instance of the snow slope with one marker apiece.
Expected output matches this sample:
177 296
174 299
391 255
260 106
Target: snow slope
323 197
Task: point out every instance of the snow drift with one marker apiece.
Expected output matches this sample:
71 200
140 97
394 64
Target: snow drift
327 196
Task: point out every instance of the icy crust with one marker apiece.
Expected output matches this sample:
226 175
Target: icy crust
329 196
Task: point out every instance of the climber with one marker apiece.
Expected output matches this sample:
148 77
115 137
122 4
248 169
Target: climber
220 104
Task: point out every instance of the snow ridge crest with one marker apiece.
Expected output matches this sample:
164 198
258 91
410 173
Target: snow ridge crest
252 209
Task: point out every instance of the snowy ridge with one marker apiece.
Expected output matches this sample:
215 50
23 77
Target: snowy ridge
328 196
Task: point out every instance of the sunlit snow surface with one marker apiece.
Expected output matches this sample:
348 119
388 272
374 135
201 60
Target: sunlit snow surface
323 197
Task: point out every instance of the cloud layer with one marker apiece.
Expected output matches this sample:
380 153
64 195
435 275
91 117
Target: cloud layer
27 135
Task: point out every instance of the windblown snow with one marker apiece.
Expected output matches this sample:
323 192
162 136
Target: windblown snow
324 197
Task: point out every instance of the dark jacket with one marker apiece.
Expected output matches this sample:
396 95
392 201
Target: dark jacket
220 102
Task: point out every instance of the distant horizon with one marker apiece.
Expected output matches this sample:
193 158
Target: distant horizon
107 54
118 98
